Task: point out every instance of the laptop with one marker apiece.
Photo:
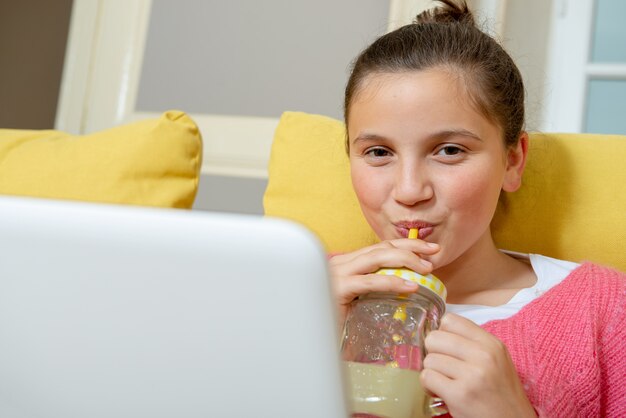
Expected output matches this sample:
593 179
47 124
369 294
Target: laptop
115 311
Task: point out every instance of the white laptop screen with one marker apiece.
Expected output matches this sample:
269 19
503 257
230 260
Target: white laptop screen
110 311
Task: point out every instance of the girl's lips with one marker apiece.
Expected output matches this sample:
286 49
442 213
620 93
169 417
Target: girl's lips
424 230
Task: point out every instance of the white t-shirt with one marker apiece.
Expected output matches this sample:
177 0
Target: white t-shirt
549 271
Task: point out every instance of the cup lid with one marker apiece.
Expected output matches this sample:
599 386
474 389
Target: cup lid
429 281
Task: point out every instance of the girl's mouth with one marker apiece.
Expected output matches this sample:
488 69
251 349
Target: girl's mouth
425 229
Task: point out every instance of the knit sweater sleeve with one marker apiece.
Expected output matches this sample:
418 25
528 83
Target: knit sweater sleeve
568 345
612 342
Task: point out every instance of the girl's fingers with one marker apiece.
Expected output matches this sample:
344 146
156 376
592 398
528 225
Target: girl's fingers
352 273
456 331
436 383
398 258
358 285
459 338
413 245
450 344
456 324
378 258
450 367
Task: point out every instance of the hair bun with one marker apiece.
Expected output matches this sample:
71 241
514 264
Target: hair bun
450 11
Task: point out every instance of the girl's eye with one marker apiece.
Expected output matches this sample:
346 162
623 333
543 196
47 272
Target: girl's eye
450 150
377 152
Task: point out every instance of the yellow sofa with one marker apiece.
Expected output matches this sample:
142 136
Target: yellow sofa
571 204
153 162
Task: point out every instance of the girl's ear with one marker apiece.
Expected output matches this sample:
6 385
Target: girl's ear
515 163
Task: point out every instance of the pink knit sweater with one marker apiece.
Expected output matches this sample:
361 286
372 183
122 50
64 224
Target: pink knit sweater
569 345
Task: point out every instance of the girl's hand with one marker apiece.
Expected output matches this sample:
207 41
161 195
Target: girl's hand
472 371
352 273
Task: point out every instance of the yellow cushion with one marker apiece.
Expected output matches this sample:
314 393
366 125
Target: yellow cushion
154 162
571 205
309 181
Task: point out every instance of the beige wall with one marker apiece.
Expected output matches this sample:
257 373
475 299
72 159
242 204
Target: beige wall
254 58
527 37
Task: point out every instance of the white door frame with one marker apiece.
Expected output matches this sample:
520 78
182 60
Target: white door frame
103 66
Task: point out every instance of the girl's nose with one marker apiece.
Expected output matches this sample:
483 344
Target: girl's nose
412 185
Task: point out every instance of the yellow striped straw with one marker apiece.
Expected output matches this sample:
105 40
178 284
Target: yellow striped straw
414 233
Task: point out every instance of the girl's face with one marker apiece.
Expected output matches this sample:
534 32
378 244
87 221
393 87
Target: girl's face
422 156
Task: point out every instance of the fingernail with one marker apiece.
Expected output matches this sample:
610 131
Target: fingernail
425 263
409 283
432 244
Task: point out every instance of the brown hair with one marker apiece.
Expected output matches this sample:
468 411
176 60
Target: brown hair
446 37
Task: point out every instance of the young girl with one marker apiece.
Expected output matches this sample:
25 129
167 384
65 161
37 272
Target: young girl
434 114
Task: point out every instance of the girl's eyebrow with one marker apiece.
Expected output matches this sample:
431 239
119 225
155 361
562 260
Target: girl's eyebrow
364 137
455 132
441 135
